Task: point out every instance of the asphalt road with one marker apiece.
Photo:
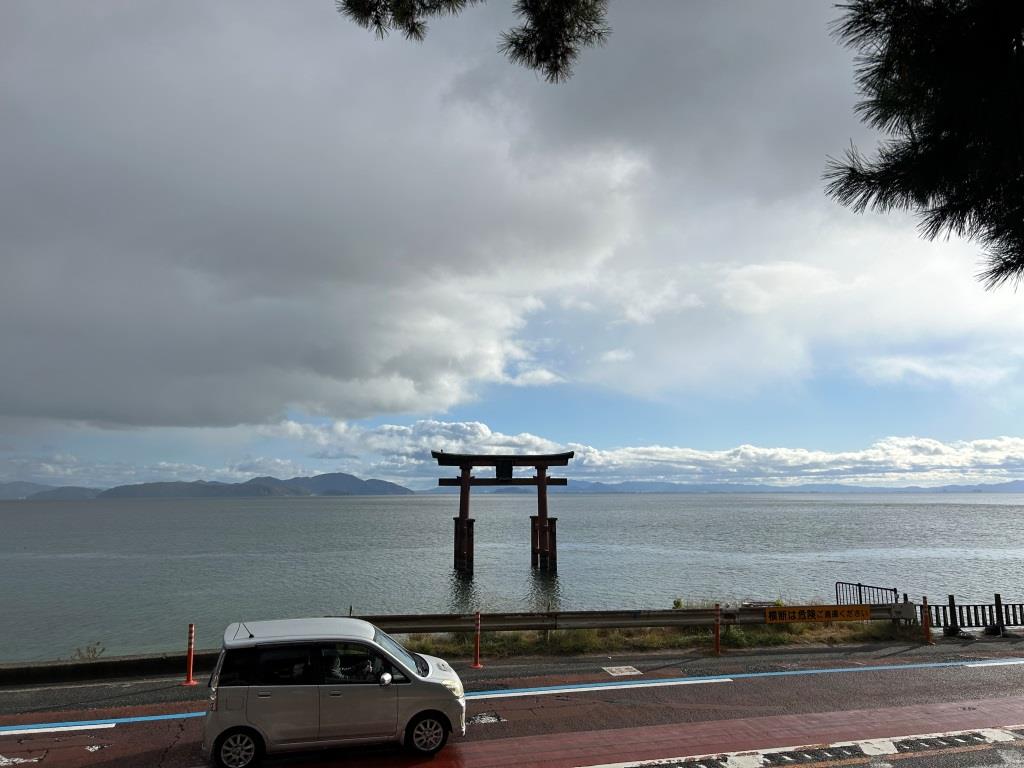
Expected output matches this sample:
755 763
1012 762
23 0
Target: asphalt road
671 709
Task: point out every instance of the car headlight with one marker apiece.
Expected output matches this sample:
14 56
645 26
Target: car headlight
455 686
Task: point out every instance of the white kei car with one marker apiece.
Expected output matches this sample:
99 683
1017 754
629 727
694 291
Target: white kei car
310 683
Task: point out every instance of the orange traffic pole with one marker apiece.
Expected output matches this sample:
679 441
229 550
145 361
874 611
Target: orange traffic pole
476 646
190 655
718 629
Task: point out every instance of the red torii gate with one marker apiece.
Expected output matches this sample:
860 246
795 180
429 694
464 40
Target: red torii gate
543 549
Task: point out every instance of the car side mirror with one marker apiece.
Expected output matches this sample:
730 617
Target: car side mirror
385 680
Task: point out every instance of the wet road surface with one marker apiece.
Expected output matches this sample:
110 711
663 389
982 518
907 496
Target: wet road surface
680 707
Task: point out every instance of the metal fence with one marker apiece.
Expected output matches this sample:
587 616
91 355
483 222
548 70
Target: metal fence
995 615
848 593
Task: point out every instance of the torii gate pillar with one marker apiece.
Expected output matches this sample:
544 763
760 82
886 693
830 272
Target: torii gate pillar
543 541
464 526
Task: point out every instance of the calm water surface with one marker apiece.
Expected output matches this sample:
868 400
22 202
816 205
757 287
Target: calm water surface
131 574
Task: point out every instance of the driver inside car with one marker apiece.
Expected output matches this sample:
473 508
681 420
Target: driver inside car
358 669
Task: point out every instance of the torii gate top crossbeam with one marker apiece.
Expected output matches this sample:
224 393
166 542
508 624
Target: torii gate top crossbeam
494 460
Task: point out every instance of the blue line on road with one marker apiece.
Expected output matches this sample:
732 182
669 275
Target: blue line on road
569 688
110 721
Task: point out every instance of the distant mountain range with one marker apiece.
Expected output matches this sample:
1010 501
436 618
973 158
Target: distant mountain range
18 490
341 484
333 484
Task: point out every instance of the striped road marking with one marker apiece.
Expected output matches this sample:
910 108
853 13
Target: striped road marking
573 688
867 748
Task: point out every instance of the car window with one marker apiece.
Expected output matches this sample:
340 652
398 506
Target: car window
285 665
355 663
238 667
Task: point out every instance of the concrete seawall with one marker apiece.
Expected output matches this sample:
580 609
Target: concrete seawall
107 669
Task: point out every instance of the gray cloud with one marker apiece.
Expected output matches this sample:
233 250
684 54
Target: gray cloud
215 213
218 214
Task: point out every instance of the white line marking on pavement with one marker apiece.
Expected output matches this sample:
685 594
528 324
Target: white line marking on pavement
4 761
869 747
875 747
58 729
620 671
592 688
1013 663
998 734
745 761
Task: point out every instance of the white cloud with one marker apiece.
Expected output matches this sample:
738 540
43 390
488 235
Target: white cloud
535 377
263 466
892 461
401 453
759 289
616 356
958 371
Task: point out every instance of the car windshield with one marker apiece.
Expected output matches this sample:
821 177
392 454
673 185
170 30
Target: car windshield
392 646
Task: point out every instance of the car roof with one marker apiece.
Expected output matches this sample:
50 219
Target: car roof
244 634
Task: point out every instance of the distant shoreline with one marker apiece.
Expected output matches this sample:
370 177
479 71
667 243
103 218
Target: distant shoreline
204 491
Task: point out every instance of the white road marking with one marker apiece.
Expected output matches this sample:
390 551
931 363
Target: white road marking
621 671
58 729
1015 662
486 718
5 761
745 761
875 747
593 688
870 748
998 734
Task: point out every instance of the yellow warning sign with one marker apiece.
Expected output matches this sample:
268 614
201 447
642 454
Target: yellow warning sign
787 613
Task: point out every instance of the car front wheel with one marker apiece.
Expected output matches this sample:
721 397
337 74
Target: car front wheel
426 734
238 749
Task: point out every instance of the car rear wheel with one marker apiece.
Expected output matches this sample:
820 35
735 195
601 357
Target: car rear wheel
240 748
427 733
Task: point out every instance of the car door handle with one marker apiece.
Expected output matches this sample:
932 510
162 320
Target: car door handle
334 693
263 694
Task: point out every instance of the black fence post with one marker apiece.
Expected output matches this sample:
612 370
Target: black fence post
1000 619
952 629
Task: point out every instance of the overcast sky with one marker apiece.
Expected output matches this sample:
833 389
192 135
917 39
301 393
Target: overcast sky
241 238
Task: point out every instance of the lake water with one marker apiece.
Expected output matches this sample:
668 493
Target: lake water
132 574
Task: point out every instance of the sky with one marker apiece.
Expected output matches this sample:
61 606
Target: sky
247 238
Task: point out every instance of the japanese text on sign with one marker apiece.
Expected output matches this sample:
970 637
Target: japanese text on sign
788 613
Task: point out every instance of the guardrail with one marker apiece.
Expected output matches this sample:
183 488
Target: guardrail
159 664
676 617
